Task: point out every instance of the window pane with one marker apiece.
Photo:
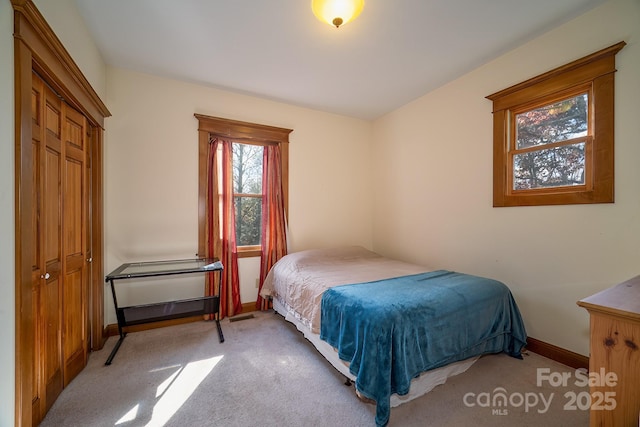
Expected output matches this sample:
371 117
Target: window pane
248 220
247 168
247 179
556 122
553 167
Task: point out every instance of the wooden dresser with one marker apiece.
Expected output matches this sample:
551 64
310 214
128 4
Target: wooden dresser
615 348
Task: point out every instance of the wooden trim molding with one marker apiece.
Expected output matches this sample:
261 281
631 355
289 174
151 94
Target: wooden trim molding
550 351
25 328
111 330
96 287
235 129
561 355
248 307
508 97
52 61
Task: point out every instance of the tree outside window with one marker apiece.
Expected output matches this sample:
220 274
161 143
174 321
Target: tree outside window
550 144
247 188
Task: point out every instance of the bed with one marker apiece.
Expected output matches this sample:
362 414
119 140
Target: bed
396 329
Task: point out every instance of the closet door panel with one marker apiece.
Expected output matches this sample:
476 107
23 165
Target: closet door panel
51 241
37 273
74 340
75 225
52 356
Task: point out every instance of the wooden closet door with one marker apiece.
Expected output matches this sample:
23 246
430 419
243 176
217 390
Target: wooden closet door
42 365
75 226
60 238
50 313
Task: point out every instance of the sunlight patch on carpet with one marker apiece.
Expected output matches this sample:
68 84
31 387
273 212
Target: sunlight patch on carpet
129 416
167 383
178 388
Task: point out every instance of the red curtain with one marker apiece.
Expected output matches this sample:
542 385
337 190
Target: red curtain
220 227
274 232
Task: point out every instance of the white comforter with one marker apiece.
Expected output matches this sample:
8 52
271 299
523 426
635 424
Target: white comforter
299 279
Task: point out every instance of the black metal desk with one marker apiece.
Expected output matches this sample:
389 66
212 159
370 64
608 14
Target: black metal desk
139 314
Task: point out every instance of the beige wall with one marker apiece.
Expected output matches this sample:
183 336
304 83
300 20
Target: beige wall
7 252
433 198
151 173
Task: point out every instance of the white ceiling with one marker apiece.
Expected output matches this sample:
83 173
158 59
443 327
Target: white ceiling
395 52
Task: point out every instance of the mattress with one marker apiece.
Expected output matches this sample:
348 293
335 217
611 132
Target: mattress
419 386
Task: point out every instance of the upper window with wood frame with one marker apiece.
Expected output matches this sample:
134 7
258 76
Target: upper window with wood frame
553 135
248 142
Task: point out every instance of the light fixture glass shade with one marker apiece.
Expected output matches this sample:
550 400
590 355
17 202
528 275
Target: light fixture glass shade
337 12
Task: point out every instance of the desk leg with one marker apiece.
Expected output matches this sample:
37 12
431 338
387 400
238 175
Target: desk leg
217 315
115 350
121 323
220 336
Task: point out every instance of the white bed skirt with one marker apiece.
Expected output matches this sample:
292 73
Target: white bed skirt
419 386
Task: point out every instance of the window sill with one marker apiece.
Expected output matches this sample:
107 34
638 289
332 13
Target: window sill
249 252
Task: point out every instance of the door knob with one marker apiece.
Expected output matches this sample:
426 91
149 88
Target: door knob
89 259
45 276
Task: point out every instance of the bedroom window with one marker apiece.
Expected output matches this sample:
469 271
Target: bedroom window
247 194
248 142
553 135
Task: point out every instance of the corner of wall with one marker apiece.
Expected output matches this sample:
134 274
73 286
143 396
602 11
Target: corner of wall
7 226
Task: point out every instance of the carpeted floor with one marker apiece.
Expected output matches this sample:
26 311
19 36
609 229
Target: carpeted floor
267 374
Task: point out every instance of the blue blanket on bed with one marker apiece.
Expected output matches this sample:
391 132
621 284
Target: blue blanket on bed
392 330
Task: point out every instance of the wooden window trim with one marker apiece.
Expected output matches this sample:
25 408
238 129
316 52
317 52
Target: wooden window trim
249 251
595 72
246 133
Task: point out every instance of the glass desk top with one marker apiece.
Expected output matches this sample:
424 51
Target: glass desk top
164 268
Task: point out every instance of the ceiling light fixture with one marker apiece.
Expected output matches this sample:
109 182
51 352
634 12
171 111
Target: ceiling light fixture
337 12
